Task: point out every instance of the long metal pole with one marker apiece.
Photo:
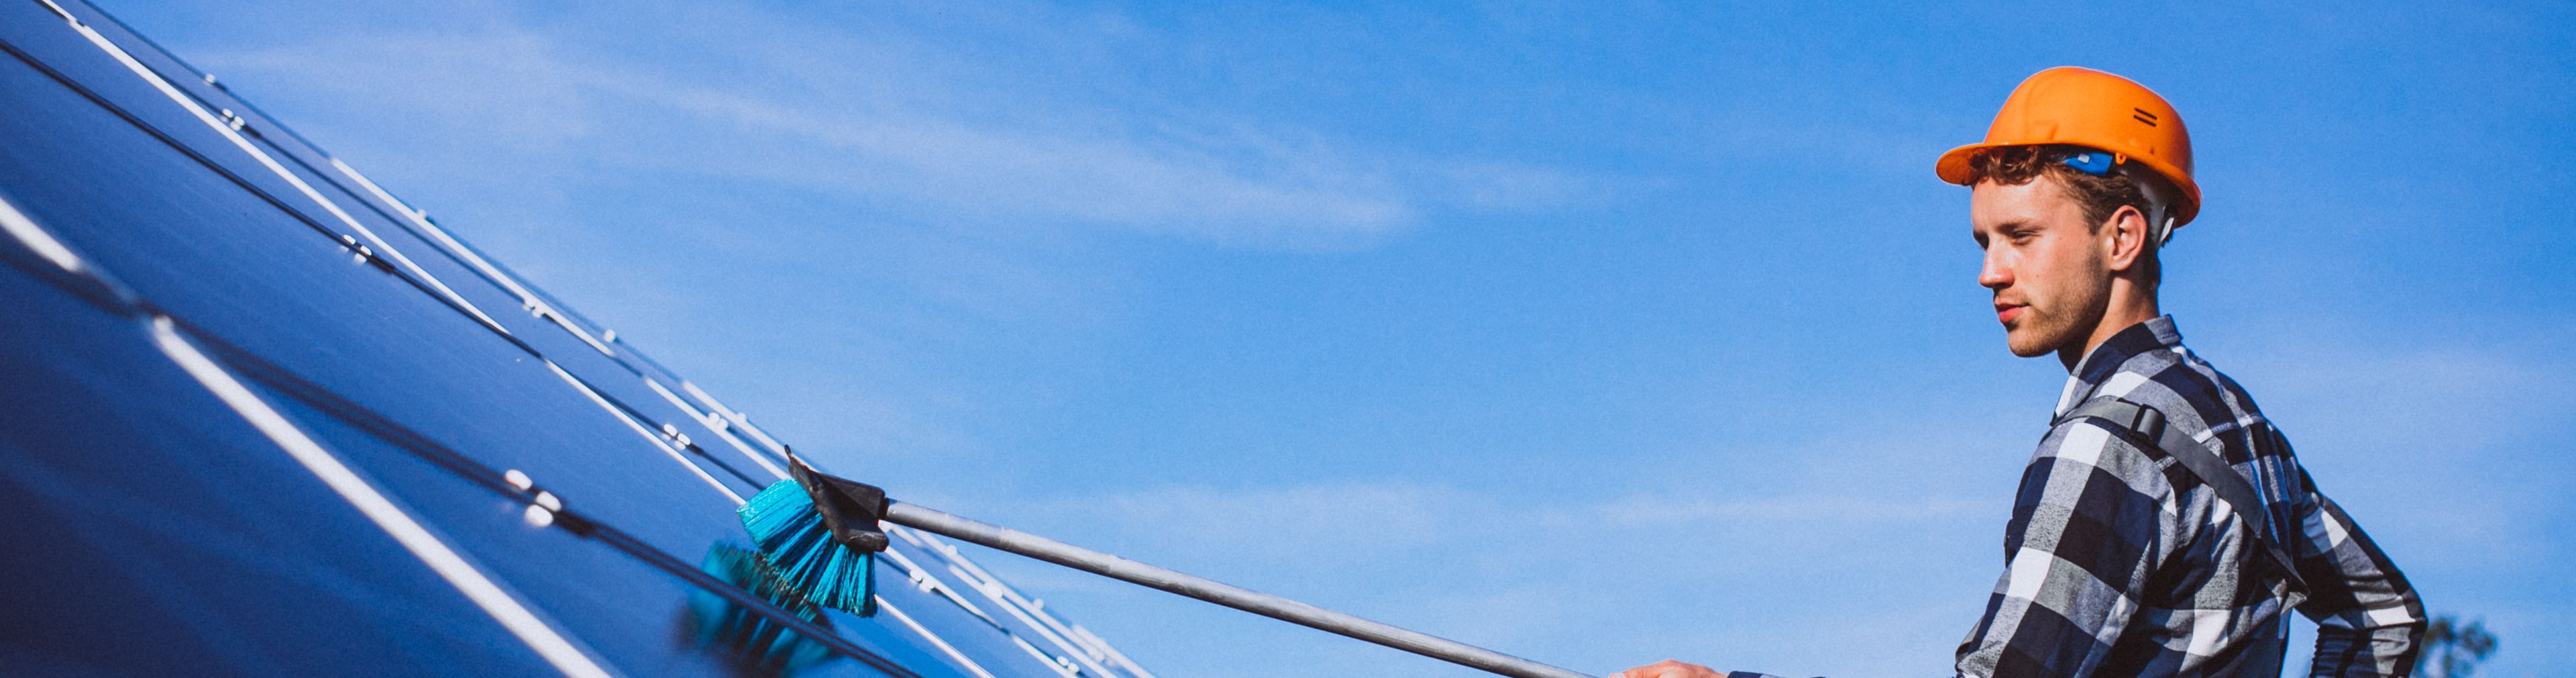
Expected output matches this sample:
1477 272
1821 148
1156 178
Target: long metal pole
1076 557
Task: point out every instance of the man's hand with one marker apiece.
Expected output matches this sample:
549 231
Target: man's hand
1670 669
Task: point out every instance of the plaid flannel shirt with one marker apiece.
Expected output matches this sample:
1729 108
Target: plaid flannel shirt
2118 561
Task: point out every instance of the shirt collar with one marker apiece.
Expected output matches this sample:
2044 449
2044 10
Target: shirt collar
2152 334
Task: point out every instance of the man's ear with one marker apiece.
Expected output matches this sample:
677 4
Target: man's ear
2128 242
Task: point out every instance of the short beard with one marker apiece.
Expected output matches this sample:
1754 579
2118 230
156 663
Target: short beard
2033 349
2062 328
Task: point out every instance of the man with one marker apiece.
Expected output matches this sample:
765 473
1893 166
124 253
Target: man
2163 528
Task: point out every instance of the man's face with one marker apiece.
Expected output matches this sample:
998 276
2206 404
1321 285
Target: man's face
2045 263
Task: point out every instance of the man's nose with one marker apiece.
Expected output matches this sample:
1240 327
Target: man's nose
1995 275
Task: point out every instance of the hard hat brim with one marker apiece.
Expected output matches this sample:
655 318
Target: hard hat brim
1953 166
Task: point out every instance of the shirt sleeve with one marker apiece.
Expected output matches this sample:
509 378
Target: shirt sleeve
2369 622
2089 524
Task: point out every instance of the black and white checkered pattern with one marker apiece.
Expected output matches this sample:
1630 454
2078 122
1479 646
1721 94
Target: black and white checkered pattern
2118 561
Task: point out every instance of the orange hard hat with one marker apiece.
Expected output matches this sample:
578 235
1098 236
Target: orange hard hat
2093 109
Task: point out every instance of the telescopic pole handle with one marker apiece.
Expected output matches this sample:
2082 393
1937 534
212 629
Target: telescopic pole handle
1095 562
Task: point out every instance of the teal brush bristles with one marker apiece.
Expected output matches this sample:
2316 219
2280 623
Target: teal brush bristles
768 647
786 527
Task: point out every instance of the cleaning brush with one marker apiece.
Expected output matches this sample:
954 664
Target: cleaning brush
820 533
820 530
765 645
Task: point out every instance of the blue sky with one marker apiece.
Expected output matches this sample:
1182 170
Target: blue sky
1597 333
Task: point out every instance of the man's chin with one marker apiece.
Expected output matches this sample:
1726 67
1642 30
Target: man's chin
2027 344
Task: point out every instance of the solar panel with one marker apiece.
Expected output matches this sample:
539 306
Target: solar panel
267 419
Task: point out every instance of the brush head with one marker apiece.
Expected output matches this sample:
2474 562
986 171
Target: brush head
850 509
761 644
787 528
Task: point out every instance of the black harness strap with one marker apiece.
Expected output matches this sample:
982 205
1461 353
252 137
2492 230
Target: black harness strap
2148 424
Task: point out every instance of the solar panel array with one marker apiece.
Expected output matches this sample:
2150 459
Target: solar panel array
263 418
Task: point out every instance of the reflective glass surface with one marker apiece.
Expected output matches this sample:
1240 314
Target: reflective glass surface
158 528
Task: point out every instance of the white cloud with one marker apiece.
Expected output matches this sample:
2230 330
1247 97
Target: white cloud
960 167
503 89
937 129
